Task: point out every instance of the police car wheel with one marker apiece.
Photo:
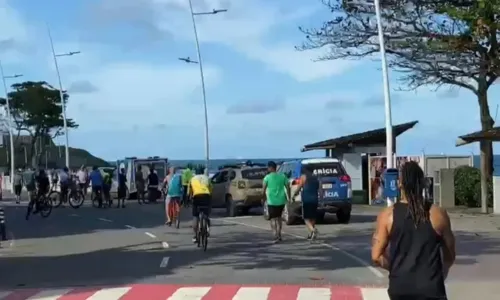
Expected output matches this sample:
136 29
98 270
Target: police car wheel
343 216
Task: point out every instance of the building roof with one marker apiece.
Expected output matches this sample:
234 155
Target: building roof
492 134
370 137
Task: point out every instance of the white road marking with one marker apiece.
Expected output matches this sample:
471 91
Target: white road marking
150 235
372 269
191 293
105 220
130 227
49 294
253 293
374 294
110 294
164 262
165 245
4 294
314 293
73 215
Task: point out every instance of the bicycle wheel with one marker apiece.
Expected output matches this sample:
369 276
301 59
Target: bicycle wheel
199 236
204 235
56 199
45 206
76 199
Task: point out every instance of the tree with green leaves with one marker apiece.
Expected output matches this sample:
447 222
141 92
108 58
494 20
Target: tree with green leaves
441 43
36 110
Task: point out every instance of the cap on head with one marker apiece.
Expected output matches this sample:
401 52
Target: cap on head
271 165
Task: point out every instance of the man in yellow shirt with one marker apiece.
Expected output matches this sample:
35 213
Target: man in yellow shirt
200 192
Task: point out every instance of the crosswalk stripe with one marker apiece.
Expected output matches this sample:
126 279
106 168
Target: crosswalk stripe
110 294
314 293
191 293
252 293
49 294
374 294
4 294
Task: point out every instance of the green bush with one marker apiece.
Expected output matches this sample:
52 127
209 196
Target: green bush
468 187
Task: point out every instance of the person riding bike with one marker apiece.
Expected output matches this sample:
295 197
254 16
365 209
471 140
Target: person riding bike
174 195
96 180
64 183
43 187
200 192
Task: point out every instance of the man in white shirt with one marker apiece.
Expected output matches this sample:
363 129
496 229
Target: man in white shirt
82 179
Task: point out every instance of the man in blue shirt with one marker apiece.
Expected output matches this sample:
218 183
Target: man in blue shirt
96 181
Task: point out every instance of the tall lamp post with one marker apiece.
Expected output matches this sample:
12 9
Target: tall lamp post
385 75
9 122
200 64
61 93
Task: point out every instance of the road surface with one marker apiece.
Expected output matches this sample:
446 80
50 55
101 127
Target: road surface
127 253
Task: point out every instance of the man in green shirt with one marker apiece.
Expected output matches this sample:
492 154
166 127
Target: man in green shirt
186 176
275 192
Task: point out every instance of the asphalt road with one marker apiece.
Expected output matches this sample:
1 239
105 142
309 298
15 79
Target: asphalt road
131 246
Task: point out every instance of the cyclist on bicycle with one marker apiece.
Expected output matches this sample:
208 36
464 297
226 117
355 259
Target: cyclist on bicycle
64 182
43 185
200 192
174 194
96 180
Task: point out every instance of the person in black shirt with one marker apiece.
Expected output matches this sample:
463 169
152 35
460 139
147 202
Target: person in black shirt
122 188
43 185
416 232
153 182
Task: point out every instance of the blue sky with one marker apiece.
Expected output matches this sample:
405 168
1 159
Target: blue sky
131 96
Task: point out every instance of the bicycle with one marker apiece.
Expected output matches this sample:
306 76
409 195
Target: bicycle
202 235
44 205
74 197
97 197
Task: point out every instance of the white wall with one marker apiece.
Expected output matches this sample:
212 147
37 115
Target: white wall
352 164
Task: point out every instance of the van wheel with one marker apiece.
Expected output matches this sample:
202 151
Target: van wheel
265 210
344 216
230 207
287 215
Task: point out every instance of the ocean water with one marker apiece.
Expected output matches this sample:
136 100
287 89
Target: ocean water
216 163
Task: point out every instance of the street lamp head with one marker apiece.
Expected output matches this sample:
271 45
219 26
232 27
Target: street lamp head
216 11
74 52
18 75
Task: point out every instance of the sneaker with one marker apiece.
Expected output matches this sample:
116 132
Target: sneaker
314 234
195 239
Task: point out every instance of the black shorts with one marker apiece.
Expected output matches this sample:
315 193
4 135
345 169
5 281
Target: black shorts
201 203
18 189
30 187
96 189
275 211
309 211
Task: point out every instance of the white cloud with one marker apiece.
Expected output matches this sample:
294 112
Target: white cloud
254 28
13 39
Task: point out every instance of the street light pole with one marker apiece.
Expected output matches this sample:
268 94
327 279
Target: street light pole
389 138
193 14
61 93
9 124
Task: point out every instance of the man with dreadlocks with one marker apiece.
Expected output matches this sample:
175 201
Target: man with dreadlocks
416 232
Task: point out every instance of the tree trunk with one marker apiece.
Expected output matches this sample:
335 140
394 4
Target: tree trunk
486 148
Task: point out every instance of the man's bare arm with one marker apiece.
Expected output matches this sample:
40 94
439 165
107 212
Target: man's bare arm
380 240
449 252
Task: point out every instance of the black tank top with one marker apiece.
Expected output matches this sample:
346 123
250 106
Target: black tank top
416 267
